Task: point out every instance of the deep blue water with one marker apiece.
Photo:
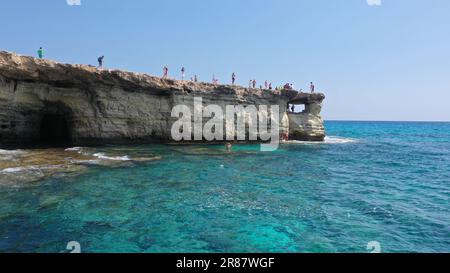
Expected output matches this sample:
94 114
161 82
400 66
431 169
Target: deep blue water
372 181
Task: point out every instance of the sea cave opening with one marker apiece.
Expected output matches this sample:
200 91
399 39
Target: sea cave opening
54 130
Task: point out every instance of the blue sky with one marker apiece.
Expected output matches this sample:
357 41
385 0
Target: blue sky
387 62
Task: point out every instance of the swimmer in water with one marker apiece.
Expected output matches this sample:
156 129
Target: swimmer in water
228 146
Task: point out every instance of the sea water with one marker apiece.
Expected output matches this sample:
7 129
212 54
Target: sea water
383 182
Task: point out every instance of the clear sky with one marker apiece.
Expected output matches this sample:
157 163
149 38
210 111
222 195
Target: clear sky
386 62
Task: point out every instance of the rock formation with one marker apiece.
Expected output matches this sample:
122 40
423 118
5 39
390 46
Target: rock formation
42 101
307 125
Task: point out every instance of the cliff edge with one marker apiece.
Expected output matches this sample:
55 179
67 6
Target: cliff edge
42 101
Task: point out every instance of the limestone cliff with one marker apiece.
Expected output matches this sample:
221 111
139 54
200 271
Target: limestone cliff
42 100
307 125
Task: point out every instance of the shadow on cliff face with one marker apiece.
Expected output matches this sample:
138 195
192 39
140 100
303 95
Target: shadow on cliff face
54 129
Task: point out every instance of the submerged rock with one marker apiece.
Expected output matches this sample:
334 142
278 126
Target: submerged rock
34 165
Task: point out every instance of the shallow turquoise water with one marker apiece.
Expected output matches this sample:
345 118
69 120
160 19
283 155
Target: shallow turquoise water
372 181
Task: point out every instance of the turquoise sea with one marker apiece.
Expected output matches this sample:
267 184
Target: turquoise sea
387 182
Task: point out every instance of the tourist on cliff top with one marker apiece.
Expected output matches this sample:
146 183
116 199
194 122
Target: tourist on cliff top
312 87
40 53
254 83
195 78
100 61
270 86
165 72
233 78
183 73
266 84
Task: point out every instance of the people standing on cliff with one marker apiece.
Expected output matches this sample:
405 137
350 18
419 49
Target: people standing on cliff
183 73
215 81
266 84
233 78
250 84
40 53
312 88
100 61
228 146
254 83
165 72
195 78
270 86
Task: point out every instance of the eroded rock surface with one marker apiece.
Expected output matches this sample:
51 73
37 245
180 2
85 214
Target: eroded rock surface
307 125
44 101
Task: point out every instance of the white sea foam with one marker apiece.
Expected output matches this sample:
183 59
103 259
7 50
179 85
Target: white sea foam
86 161
327 140
115 158
11 152
74 149
339 140
81 150
99 156
30 168
13 170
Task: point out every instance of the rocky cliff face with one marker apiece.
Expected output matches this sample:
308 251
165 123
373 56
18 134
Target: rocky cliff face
43 101
307 125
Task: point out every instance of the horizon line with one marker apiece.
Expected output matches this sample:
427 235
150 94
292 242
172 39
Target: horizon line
370 120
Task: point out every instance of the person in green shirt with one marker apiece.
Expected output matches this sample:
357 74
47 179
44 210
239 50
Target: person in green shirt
40 53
